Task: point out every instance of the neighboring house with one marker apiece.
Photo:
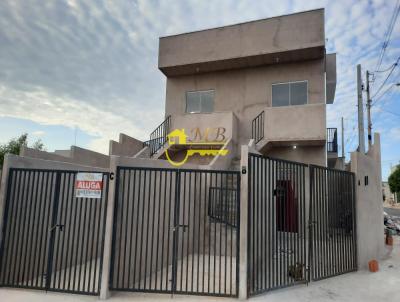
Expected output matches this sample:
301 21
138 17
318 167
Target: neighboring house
269 80
387 196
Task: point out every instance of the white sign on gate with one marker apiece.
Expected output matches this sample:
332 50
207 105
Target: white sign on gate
88 185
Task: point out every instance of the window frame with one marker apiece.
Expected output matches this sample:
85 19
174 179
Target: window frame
201 103
290 96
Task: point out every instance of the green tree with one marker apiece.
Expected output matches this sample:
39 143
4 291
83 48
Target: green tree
394 180
15 144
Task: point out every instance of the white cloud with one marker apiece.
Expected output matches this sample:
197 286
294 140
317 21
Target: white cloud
94 63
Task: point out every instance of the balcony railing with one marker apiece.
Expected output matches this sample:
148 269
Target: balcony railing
159 136
257 127
331 140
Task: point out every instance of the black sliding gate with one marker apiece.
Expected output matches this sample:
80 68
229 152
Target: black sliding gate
51 239
292 236
332 217
176 231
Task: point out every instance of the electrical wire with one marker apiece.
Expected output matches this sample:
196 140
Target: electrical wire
388 34
388 76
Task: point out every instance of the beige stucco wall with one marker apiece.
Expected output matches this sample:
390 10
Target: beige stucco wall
369 207
246 92
315 155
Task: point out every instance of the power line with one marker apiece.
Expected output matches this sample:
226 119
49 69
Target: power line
388 76
388 111
388 35
378 98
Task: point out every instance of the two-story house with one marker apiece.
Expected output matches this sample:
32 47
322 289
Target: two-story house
269 80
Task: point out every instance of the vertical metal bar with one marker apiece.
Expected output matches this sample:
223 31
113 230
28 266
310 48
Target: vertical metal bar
44 232
183 235
206 175
311 239
189 219
131 238
52 232
100 245
125 196
18 235
164 228
93 250
158 176
66 232
35 229
261 223
237 219
194 228
215 244
176 232
59 220
226 213
87 256
139 172
71 235
154 180
170 211
30 235
84 228
7 225
141 234
221 177
199 233
19 232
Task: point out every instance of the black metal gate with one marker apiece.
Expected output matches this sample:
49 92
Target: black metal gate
51 240
176 231
332 217
277 224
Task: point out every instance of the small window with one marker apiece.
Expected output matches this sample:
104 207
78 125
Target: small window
200 101
285 94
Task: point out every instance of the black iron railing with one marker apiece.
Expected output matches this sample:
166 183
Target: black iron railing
331 140
257 127
159 136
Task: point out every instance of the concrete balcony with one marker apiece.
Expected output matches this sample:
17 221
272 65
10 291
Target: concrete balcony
293 125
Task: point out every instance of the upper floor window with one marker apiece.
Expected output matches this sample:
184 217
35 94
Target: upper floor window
292 93
200 101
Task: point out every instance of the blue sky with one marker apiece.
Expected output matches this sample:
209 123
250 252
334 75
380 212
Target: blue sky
90 67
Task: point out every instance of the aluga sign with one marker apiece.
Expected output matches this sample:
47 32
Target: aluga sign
88 185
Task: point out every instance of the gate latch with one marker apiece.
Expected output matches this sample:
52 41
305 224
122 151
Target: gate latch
61 226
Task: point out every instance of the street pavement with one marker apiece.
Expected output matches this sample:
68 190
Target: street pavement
365 286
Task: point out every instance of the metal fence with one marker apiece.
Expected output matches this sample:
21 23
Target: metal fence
158 137
331 140
277 250
51 239
332 217
164 238
257 127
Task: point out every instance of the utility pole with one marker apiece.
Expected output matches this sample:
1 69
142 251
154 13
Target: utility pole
361 138
343 138
369 112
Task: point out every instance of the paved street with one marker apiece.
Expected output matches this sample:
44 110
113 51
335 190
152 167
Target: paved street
392 211
358 286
